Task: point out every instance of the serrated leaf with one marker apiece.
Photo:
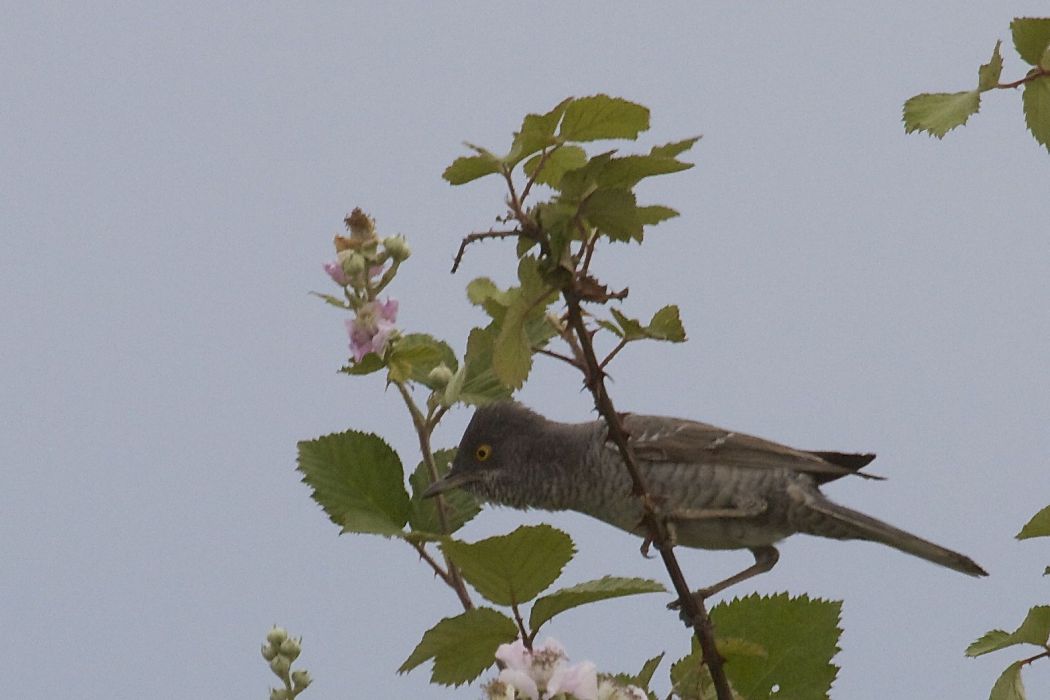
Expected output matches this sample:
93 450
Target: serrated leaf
513 568
988 74
467 168
537 133
1038 526
645 676
512 353
628 171
1009 685
1036 102
462 646
800 636
1034 630
940 112
366 365
556 164
480 384
630 329
666 325
483 292
1031 37
415 355
611 327
358 480
614 213
333 300
460 506
603 117
577 183
675 148
604 588
691 679
655 213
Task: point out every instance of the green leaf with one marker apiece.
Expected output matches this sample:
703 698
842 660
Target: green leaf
800 636
614 213
480 384
1031 37
483 292
654 214
1038 526
645 676
513 568
628 171
1034 630
675 148
358 480
1009 685
630 329
691 679
462 646
467 168
578 183
537 133
512 352
589 592
988 74
460 506
368 364
666 325
603 117
938 113
557 163
415 355
1036 102
333 300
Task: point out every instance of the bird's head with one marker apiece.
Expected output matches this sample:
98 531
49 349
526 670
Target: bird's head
492 452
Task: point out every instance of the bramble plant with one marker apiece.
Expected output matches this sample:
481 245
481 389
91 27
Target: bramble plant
562 310
940 112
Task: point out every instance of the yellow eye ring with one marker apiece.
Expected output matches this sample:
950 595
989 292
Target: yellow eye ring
483 452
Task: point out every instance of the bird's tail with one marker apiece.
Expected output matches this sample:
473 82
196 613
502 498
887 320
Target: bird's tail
828 519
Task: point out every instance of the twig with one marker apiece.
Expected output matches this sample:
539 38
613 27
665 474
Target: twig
693 609
526 638
473 237
455 580
438 569
1037 72
559 356
608 358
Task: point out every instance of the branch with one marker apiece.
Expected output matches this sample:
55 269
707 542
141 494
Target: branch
1037 72
558 356
473 237
692 609
453 579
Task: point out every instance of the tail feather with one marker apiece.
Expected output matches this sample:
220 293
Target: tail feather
843 523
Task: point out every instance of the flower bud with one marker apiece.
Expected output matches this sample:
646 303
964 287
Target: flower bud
269 651
301 679
353 264
440 375
397 247
277 635
280 666
290 648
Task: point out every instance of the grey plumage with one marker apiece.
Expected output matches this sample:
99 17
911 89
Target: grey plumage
718 489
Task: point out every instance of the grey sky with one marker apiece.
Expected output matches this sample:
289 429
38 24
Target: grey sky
172 180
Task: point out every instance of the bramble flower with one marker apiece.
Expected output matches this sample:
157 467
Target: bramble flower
609 689
544 673
580 680
335 271
372 327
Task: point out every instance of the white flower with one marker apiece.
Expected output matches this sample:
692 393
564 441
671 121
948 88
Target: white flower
581 680
608 689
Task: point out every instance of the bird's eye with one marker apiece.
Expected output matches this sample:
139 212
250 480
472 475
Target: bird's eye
483 452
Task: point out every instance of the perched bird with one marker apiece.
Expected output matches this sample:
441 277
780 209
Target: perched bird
717 489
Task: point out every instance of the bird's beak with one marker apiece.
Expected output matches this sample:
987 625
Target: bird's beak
452 480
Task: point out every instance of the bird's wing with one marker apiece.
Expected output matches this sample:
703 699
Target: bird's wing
657 439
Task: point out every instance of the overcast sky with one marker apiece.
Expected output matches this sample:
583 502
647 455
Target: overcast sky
171 182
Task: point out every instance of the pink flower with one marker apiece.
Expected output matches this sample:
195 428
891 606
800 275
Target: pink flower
335 271
372 327
579 680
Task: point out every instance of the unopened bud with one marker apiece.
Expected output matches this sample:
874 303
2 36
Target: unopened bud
280 666
353 264
440 375
301 679
277 635
397 247
269 651
290 648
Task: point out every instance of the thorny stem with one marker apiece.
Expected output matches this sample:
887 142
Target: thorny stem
693 609
438 569
1030 659
470 238
612 353
526 638
423 429
558 356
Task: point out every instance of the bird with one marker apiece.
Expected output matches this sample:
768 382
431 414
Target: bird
715 489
